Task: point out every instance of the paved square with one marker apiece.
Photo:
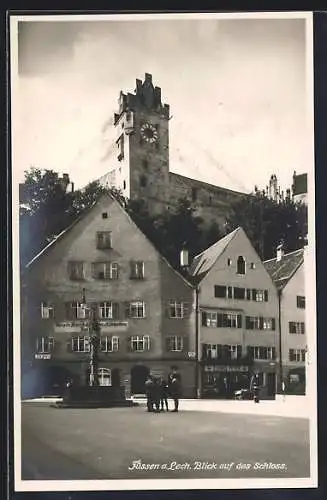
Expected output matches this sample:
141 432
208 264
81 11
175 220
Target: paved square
77 444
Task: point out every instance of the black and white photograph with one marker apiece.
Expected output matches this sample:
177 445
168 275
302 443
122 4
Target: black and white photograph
164 290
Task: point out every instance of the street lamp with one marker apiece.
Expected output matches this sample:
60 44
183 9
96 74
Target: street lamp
94 334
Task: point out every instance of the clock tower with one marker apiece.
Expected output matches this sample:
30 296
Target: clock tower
142 145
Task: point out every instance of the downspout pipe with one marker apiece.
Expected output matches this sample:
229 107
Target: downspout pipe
281 375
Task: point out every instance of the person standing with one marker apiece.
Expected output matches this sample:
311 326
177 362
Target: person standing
174 385
163 394
149 393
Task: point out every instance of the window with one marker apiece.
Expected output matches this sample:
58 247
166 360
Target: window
300 302
211 351
265 353
229 292
176 309
120 145
140 343
194 194
209 319
252 265
174 343
104 375
76 270
297 355
103 240
220 291
229 320
124 185
105 270
44 344
108 310
248 294
105 215
229 262
47 310
239 293
143 181
232 349
259 323
80 344
297 328
76 310
109 344
137 309
240 265
294 378
259 295
137 270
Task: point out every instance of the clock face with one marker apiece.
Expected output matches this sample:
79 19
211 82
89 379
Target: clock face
149 133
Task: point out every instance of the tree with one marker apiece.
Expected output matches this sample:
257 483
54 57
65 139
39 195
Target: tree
268 222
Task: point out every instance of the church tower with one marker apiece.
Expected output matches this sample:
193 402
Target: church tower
142 144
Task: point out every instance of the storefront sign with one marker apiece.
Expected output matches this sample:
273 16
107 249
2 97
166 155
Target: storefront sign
223 368
42 356
83 326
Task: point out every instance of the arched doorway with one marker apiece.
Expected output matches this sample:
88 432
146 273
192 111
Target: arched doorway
139 374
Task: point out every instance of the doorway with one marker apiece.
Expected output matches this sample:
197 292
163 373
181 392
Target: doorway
271 384
139 374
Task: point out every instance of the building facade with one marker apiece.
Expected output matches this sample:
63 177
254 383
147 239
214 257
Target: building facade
139 165
287 270
238 318
104 263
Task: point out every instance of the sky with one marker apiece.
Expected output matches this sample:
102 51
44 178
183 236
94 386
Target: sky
236 90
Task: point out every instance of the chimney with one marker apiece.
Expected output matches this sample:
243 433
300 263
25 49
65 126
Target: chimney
280 252
184 258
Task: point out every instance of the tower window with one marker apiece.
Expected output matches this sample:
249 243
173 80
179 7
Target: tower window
124 185
241 265
194 194
120 144
143 181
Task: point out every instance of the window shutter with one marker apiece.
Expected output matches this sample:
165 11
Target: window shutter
247 323
115 310
68 310
266 295
303 328
239 321
185 343
219 351
261 323
167 344
220 320
69 344
185 309
204 351
291 354
273 324
250 351
204 318
239 351
132 268
254 294
274 353
225 351
248 294
129 344
148 343
127 309
225 320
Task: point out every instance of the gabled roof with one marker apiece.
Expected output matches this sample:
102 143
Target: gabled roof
203 262
45 250
282 271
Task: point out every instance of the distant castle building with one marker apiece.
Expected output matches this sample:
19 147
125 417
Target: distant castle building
140 165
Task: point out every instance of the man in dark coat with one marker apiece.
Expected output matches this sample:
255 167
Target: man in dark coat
156 394
149 393
163 394
174 385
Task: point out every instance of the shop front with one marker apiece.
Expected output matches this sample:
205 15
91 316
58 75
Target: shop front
221 381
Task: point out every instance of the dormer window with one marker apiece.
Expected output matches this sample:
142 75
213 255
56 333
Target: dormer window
240 265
